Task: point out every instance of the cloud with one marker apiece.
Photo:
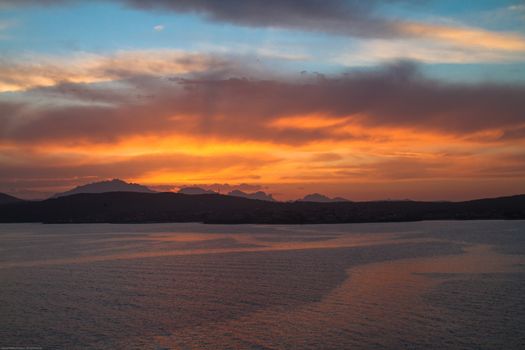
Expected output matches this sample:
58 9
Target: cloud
213 125
377 51
283 111
326 157
352 17
26 72
50 168
341 17
518 12
158 28
175 118
467 37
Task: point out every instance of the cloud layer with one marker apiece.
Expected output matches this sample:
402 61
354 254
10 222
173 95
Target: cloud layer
27 71
207 124
342 17
395 96
171 118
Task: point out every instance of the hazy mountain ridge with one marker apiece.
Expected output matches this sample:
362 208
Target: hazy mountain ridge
259 195
115 185
321 198
195 191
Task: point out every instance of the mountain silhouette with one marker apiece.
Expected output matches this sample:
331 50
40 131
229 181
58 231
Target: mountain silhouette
317 197
7 199
133 207
195 191
115 185
260 195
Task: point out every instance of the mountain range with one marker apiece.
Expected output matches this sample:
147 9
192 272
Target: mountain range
118 201
260 195
135 207
117 185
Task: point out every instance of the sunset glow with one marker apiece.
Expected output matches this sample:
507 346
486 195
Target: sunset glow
360 101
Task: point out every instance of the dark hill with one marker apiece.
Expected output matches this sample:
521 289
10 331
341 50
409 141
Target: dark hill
7 199
214 208
115 185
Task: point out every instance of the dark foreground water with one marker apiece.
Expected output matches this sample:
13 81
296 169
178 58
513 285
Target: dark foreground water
427 285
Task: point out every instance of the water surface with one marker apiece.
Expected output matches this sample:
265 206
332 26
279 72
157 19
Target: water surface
440 285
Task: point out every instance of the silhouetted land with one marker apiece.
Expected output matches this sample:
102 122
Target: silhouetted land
7 199
132 207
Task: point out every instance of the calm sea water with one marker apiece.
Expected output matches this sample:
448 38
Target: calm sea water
426 285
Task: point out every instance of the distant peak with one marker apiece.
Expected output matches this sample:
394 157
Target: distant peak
114 185
317 197
260 195
193 190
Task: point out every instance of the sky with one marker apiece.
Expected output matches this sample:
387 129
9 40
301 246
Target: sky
377 99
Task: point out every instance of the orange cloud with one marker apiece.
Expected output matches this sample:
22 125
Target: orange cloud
469 37
334 167
372 129
23 73
306 122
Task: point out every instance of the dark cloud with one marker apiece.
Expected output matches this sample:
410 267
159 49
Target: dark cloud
244 109
513 134
346 17
353 17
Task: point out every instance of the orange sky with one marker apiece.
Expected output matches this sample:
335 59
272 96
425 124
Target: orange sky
350 159
364 101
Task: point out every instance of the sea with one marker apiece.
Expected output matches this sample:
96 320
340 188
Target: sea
418 285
